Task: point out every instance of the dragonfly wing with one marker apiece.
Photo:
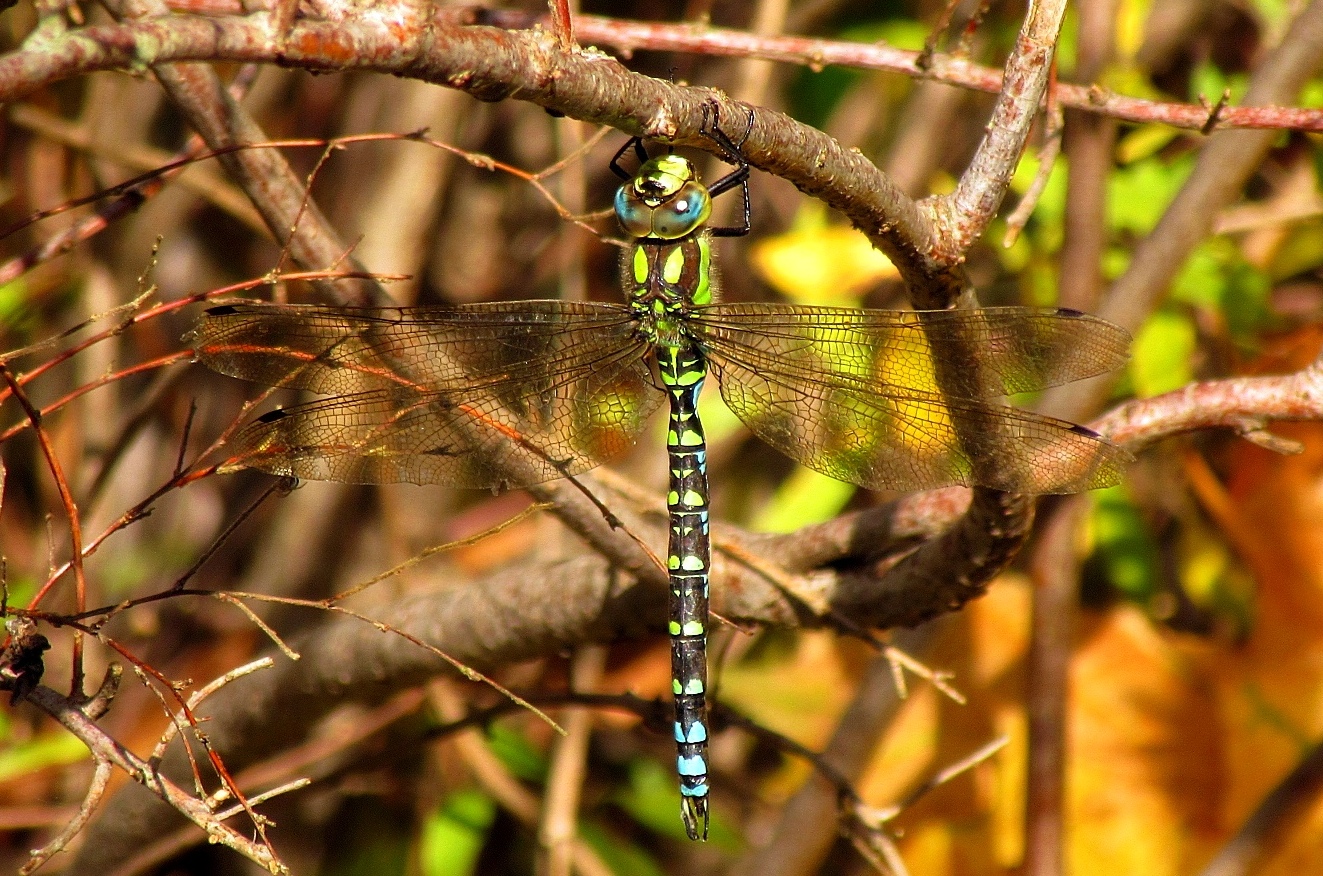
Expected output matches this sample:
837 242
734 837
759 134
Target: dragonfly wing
887 437
474 439
1020 349
347 350
485 395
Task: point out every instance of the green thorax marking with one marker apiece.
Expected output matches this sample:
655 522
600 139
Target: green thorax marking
664 281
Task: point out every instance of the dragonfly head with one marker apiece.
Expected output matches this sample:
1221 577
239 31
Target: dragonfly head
664 200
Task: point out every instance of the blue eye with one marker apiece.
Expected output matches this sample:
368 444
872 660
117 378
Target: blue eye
683 213
667 217
634 215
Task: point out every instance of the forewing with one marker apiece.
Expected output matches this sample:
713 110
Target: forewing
1020 349
499 346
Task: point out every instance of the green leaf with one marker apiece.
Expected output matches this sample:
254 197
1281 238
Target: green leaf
22 589
453 836
1311 97
1217 278
812 95
517 753
1160 357
1213 579
57 748
1208 82
1137 195
619 855
16 314
821 263
373 839
804 498
1123 545
1275 13
1301 252
1145 142
903 33
1131 26
1202 281
1045 225
652 798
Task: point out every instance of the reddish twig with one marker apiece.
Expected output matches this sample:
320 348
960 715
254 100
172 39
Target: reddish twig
562 24
164 687
1047 160
631 36
103 380
283 767
71 510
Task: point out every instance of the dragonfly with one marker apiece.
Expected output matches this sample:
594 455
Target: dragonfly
506 394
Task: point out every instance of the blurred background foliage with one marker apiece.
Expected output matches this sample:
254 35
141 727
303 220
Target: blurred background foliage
1197 673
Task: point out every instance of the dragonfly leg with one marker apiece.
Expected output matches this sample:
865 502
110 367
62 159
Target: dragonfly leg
641 154
711 128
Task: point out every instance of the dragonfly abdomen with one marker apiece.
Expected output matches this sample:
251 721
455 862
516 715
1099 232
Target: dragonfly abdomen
682 370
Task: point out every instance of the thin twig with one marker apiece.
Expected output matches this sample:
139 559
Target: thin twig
96 789
569 765
75 525
1047 161
106 748
198 696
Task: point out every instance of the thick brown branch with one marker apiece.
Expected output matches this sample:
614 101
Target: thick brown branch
965 213
409 38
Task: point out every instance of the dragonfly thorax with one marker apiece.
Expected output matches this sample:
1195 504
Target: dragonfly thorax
664 201
665 281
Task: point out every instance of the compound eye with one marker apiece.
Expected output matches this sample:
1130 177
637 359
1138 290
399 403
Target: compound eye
683 213
634 215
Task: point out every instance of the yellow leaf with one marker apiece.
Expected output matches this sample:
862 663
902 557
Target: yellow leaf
821 263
